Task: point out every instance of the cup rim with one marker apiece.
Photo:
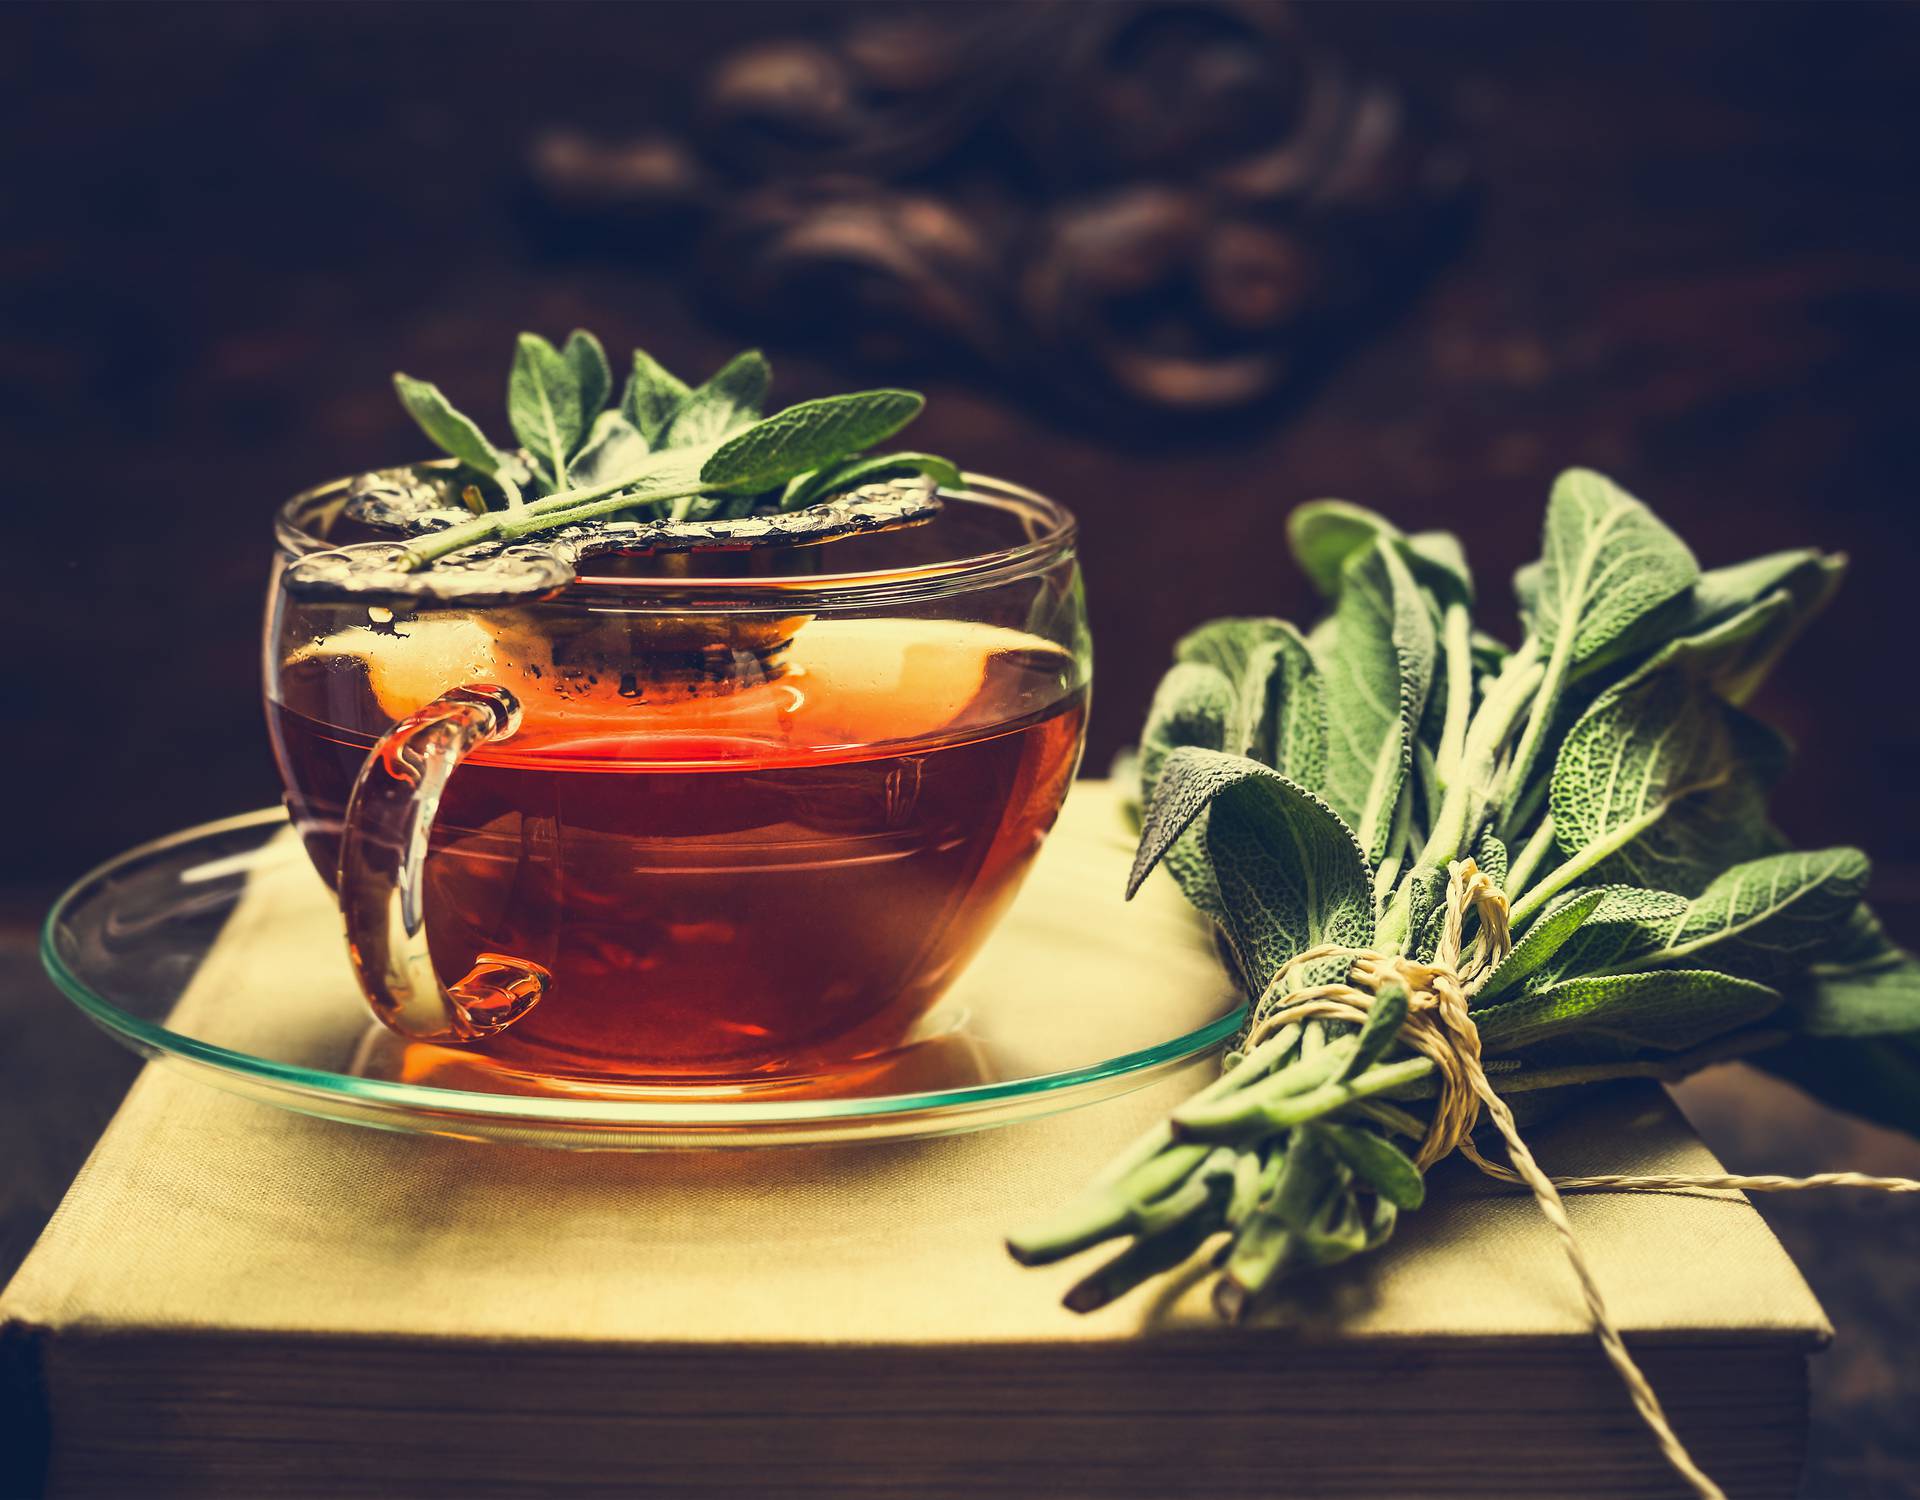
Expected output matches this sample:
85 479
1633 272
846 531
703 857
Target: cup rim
1053 534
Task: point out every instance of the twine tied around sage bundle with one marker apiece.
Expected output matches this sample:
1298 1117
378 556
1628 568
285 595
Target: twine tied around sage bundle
1439 1027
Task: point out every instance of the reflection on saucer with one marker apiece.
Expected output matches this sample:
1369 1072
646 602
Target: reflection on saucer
943 1056
218 951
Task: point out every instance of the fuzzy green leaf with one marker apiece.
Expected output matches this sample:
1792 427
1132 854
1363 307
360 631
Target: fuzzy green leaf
1381 1027
1378 1163
1661 785
591 373
1770 915
1229 644
1878 1002
613 448
1290 874
1667 1010
1806 575
1548 933
1440 563
818 484
1628 924
653 397
1326 535
1737 634
1490 854
1608 568
543 405
728 403
1426 892
808 436
1863 984
1282 711
1193 705
1376 676
451 431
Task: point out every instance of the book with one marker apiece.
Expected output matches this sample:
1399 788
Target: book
237 1301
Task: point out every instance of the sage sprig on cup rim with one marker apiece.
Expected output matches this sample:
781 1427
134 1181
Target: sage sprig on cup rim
1312 788
657 449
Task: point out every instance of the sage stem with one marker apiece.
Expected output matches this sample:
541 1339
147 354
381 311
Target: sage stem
1457 631
1546 699
1564 875
1267 1117
1505 702
1529 858
557 509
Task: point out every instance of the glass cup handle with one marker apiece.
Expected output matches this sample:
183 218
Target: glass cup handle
383 859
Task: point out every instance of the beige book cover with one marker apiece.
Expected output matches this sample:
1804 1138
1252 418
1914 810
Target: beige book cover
234 1299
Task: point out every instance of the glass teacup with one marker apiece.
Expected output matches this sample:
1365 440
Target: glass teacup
714 817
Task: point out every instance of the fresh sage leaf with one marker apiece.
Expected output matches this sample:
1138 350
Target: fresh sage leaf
1859 945
592 375
729 403
1282 711
1326 535
1228 645
806 436
1662 918
1860 984
1377 677
612 449
1609 565
1661 784
1667 1010
836 479
1193 705
1379 1031
1440 563
1768 916
653 397
1861 1003
1491 857
1737 639
1806 575
1290 873
1426 890
1377 1162
667 453
1548 933
450 430
544 406
1627 925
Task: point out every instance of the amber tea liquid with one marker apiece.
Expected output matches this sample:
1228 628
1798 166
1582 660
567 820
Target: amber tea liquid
775 880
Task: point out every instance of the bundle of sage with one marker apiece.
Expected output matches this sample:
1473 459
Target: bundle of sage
1454 877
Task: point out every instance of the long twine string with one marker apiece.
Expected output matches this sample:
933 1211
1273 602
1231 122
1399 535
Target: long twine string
1439 1027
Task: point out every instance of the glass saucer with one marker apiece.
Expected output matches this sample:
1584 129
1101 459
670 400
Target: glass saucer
218 951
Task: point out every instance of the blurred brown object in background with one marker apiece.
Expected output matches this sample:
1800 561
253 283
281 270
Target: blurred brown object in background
1149 206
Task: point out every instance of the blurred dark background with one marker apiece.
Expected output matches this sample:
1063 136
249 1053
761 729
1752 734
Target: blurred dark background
1180 266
